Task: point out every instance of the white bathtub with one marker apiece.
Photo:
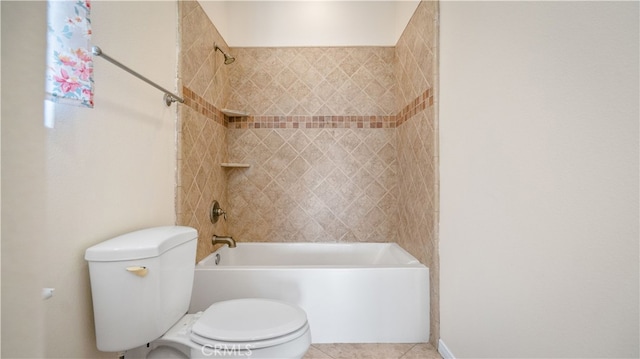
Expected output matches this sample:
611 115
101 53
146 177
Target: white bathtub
352 293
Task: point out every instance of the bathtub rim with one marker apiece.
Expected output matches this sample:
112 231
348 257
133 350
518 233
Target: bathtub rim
207 263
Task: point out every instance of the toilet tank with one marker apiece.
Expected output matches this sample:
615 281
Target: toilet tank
140 284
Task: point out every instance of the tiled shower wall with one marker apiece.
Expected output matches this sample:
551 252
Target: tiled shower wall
313 81
314 185
416 71
321 170
201 130
342 142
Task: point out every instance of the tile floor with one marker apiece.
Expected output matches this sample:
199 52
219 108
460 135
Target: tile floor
372 351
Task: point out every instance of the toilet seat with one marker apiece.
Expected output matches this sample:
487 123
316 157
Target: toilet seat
253 322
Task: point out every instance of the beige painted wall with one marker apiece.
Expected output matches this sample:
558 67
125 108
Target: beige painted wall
310 23
539 179
98 173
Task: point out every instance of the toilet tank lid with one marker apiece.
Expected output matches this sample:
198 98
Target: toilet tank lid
145 243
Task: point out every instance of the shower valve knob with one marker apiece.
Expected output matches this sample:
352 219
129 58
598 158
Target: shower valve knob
220 212
216 212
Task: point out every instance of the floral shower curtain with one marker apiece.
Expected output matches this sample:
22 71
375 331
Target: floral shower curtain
69 59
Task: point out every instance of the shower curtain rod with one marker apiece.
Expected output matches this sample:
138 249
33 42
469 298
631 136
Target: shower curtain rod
169 97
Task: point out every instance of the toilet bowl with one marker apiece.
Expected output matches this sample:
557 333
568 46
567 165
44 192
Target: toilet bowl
141 286
240 328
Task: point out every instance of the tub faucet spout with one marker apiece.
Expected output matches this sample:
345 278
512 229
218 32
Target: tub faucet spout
228 240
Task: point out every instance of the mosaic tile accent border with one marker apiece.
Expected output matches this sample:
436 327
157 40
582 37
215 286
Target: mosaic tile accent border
202 106
312 122
414 107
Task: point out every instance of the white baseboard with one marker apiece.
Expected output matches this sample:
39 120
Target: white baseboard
444 350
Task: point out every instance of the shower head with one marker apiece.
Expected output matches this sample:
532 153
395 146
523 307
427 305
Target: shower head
227 58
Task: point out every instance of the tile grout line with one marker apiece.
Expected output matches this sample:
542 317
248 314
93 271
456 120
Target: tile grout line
322 351
405 353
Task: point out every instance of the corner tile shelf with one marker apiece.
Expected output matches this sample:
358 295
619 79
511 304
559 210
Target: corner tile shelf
234 113
234 165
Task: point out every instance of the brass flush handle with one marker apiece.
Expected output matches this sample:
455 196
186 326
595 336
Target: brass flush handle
140 271
216 212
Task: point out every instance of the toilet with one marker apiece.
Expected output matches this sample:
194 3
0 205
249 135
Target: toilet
141 286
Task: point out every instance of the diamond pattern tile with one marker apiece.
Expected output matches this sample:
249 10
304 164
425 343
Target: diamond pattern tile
311 177
201 131
416 66
313 81
200 178
200 69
